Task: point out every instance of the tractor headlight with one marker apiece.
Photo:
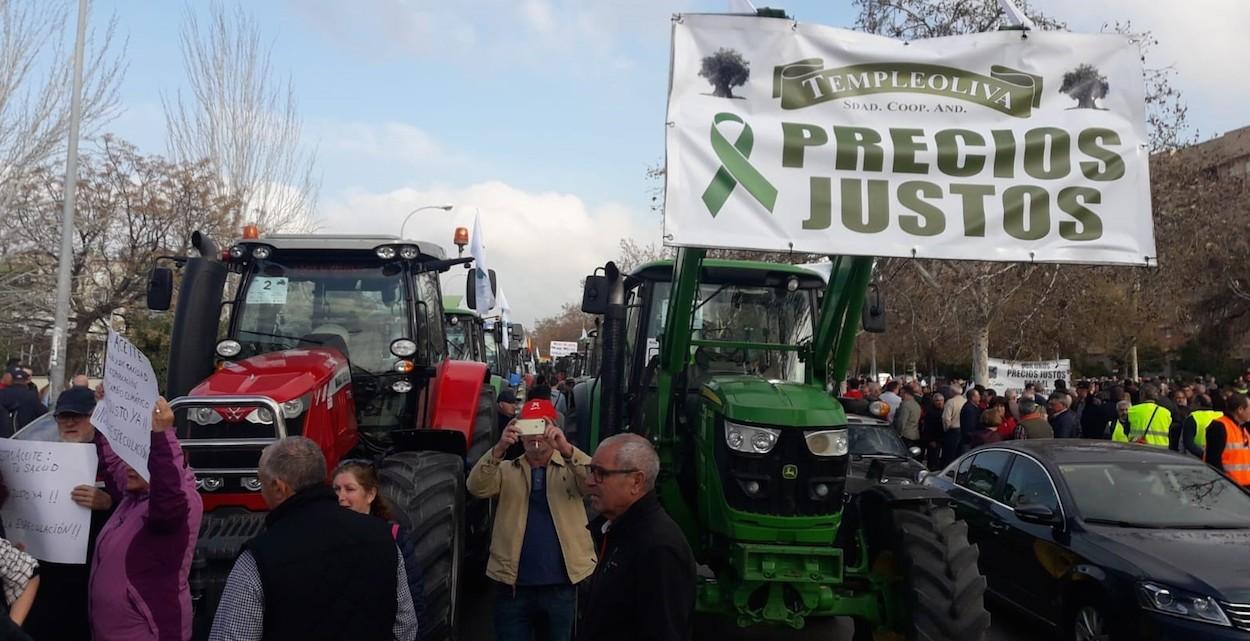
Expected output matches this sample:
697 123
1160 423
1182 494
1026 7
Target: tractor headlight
251 483
403 348
828 442
261 252
750 440
204 415
296 406
228 348
385 252
408 252
261 415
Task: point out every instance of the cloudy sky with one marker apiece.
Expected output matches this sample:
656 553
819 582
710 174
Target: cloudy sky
544 115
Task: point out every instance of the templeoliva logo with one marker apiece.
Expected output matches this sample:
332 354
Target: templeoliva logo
806 82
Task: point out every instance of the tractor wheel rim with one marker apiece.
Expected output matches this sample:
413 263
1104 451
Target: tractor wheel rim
1090 625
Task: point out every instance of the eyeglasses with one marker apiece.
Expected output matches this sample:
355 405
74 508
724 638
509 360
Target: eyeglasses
599 473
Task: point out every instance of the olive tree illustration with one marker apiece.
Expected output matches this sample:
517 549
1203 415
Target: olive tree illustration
725 69
1085 84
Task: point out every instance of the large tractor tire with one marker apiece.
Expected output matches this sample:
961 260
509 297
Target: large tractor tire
921 556
480 513
427 492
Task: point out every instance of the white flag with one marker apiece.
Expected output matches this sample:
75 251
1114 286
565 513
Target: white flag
505 316
741 6
485 298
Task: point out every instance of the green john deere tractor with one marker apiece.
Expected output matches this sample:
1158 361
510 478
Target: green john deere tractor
469 339
725 366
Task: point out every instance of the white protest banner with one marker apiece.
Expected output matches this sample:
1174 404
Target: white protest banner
562 348
793 137
39 512
1005 375
125 412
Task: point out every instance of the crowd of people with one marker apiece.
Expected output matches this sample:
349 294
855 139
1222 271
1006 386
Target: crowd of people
1196 417
554 571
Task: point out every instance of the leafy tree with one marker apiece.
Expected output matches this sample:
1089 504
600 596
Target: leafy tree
725 69
1085 84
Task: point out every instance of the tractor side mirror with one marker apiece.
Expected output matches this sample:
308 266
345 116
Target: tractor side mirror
470 287
516 333
874 310
160 288
595 295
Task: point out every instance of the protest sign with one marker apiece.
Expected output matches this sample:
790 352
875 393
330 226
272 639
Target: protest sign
562 348
39 512
1005 375
125 412
794 137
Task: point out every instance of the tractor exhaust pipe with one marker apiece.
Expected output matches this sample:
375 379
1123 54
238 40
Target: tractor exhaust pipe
613 336
194 335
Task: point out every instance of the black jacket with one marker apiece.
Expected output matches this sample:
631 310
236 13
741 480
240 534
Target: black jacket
643 588
19 405
329 573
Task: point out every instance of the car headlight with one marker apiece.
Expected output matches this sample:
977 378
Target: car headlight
750 440
1180 603
828 442
204 415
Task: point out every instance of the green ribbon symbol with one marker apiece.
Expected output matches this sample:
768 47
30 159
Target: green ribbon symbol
735 170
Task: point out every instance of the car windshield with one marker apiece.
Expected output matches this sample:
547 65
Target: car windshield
1152 495
876 441
739 314
291 305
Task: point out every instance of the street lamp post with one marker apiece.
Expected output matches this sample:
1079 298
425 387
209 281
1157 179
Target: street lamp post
410 214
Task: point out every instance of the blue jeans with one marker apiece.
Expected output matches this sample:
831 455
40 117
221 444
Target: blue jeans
534 613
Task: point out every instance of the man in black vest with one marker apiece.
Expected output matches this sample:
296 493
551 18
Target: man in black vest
319 572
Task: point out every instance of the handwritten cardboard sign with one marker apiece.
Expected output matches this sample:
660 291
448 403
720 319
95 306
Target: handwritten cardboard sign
125 412
39 511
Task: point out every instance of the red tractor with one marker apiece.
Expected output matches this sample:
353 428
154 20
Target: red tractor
339 339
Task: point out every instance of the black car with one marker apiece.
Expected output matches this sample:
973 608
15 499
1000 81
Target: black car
1107 540
877 453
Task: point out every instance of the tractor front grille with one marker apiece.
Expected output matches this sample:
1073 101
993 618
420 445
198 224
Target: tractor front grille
776 494
201 457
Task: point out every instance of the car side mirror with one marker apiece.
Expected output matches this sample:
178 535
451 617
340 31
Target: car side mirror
874 310
1036 514
160 288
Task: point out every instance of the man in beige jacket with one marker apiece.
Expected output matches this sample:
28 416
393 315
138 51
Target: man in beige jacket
540 547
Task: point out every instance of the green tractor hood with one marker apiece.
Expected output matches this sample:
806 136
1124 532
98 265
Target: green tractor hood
751 399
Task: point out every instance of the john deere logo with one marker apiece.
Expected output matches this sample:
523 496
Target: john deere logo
806 82
790 472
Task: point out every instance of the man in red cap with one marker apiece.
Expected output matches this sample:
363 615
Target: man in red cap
540 548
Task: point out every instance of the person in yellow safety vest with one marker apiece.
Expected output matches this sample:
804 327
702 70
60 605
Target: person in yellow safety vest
1194 431
1148 421
1228 441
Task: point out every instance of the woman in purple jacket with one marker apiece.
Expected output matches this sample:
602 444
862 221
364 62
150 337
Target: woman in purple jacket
139 588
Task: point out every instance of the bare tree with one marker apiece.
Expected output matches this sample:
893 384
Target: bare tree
243 122
36 77
131 209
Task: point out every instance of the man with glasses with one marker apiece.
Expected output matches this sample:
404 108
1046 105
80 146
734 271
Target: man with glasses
540 548
644 585
60 612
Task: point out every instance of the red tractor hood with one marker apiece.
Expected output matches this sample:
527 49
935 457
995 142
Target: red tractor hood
282 376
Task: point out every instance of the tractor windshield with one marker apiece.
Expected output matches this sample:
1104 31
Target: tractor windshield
460 339
284 306
492 354
745 329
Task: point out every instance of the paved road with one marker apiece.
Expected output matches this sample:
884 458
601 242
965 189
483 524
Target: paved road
1006 626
